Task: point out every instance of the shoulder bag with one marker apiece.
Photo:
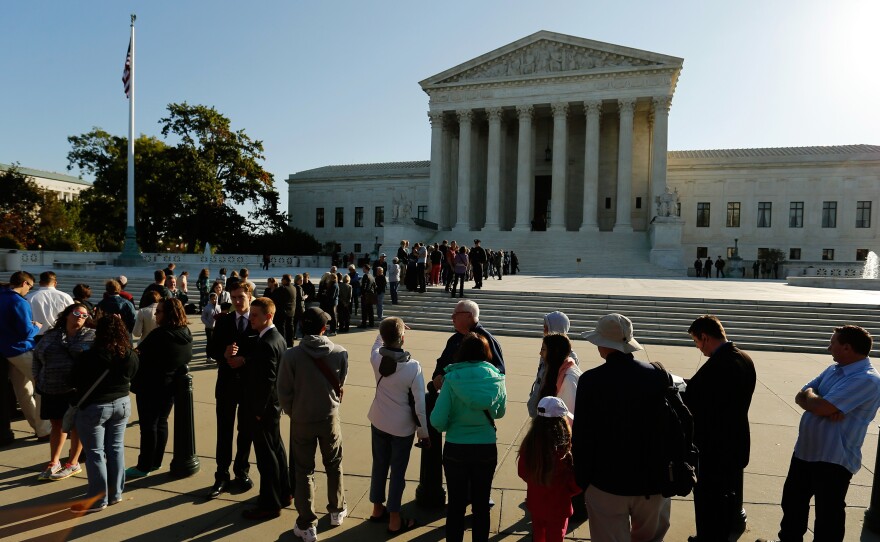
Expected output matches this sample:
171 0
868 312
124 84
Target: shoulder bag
69 419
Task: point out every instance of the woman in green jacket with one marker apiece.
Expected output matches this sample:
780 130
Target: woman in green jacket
473 397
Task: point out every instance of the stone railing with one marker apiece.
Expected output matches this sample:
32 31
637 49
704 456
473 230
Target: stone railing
50 258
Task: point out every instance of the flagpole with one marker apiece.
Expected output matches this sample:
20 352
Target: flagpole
131 254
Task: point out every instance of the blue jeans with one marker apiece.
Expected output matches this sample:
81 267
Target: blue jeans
389 451
101 428
380 299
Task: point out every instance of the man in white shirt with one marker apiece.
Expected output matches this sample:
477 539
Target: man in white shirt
47 302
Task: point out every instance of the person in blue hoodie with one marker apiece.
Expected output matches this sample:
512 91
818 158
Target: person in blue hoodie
473 397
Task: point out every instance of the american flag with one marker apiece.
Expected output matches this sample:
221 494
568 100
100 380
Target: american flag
126 73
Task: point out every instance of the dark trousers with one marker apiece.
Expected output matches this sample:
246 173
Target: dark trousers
285 326
154 408
296 319
344 314
7 402
829 483
228 394
459 279
469 469
478 275
420 277
717 502
367 314
393 288
271 462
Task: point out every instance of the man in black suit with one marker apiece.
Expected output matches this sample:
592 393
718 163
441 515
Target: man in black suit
284 297
262 412
719 395
478 261
232 341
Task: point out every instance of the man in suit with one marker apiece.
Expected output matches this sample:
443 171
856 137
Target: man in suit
262 412
284 297
478 261
368 289
719 395
231 343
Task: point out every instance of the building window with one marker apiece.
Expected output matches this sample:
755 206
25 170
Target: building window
703 215
796 214
422 212
380 216
861 254
733 209
357 248
607 203
702 252
358 217
863 214
319 217
638 203
794 254
828 254
765 211
340 215
829 214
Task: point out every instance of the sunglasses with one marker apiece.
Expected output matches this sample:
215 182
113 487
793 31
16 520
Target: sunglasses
78 314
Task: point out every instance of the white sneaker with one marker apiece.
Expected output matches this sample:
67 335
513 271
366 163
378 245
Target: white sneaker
69 470
337 517
308 535
47 474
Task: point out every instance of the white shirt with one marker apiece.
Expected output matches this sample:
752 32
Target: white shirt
47 303
270 326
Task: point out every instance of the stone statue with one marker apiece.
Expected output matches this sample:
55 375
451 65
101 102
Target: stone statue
407 210
395 208
667 203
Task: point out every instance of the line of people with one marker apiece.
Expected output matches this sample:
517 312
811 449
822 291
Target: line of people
591 442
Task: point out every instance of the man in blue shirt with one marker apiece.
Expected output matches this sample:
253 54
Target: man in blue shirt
839 404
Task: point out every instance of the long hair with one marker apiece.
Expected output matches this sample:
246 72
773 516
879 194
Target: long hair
558 348
112 335
547 440
474 348
61 321
173 313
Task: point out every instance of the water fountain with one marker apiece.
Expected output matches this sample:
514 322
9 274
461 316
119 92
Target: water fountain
872 266
867 281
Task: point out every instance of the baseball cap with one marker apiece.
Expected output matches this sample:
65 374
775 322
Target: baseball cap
553 407
613 331
315 316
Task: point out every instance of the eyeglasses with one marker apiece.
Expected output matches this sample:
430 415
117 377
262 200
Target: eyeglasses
29 284
77 314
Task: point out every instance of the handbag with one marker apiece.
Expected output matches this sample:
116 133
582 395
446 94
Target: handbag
69 419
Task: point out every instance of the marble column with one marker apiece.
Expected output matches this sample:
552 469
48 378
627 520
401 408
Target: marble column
658 152
560 163
435 186
525 176
593 110
623 221
493 169
463 201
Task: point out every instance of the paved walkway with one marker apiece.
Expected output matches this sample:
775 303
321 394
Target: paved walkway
163 508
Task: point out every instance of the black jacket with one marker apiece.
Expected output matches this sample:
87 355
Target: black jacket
448 356
719 396
284 297
164 352
261 369
226 333
617 405
88 367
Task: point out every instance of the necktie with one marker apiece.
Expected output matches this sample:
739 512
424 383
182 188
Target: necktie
242 324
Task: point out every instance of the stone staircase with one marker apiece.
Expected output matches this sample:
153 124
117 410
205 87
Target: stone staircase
753 325
615 254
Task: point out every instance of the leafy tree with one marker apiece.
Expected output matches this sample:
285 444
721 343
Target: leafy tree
20 200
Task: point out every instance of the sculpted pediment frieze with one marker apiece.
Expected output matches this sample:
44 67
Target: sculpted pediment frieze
546 57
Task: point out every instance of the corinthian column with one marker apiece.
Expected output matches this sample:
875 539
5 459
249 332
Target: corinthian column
524 165
560 161
658 152
435 187
493 170
624 166
463 201
593 111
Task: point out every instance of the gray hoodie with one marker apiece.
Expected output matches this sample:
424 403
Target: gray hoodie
304 392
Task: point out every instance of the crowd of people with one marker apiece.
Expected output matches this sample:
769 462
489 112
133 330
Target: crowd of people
590 451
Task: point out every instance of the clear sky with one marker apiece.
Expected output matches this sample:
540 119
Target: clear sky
332 82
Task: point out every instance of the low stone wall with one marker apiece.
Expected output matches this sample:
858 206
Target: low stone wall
48 258
835 282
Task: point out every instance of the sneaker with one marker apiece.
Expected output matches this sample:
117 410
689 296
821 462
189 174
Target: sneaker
84 509
308 535
46 475
69 470
337 517
133 473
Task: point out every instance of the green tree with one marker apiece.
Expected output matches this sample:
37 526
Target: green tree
20 200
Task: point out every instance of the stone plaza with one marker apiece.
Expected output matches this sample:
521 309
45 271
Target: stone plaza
161 507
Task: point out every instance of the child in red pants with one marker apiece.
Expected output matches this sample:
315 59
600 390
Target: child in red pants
544 462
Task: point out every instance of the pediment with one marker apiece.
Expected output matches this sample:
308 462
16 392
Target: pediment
547 54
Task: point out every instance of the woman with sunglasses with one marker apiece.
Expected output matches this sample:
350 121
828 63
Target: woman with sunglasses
54 357
166 351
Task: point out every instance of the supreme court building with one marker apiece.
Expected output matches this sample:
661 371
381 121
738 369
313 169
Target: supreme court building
556 147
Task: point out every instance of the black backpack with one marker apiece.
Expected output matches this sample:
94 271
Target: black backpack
677 455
